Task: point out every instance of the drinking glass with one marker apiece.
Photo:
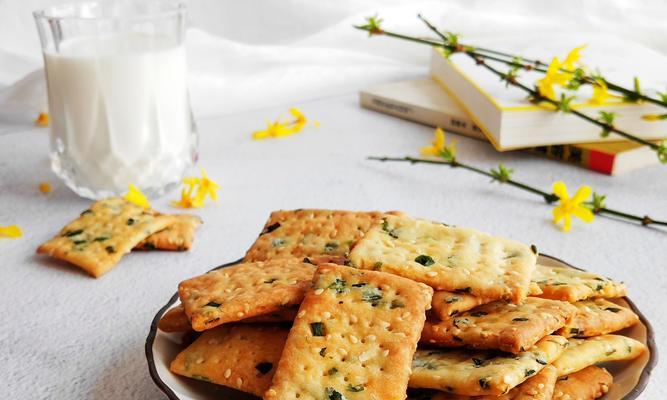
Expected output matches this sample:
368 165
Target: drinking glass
118 99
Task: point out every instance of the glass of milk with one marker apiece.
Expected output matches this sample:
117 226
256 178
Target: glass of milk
118 98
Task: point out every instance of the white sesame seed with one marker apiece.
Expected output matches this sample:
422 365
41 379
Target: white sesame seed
342 351
365 356
239 382
326 314
292 282
301 314
240 314
228 373
319 291
353 339
200 360
370 338
432 273
385 352
353 319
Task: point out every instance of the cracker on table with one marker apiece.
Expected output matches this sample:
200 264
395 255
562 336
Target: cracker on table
598 317
354 329
584 352
539 387
109 229
447 258
569 284
588 384
309 233
177 236
243 291
478 372
445 303
499 325
242 357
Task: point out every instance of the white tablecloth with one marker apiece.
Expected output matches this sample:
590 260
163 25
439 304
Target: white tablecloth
66 335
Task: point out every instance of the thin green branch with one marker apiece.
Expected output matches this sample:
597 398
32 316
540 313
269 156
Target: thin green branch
546 196
451 46
526 63
540 66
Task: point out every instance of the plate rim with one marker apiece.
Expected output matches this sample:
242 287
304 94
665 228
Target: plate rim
634 393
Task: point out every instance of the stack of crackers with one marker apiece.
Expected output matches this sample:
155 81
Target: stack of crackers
111 228
332 305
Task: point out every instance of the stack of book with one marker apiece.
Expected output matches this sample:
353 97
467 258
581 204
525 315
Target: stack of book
463 98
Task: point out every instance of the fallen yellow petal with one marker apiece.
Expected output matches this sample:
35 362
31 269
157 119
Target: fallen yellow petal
44 187
278 128
187 201
135 196
207 187
11 231
42 119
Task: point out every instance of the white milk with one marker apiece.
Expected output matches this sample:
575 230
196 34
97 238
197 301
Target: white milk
120 113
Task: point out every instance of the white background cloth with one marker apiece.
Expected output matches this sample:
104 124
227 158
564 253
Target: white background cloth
69 336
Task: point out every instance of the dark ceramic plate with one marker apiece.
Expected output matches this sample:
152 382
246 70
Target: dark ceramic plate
630 377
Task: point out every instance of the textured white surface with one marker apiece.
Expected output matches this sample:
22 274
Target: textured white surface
67 335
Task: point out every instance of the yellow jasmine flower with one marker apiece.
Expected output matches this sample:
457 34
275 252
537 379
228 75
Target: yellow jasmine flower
187 199
204 187
299 119
437 144
207 187
552 77
600 93
439 147
12 231
44 187
273 130
567 207
135 196
572 57
42 119
280 128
